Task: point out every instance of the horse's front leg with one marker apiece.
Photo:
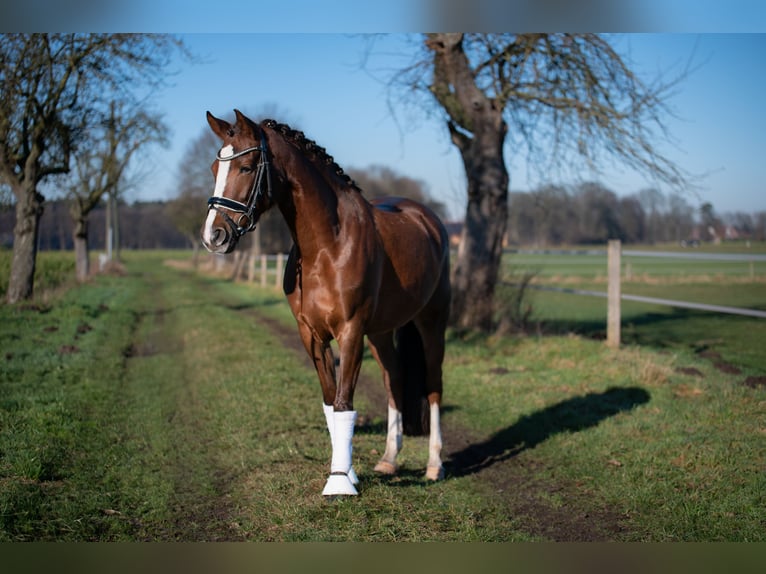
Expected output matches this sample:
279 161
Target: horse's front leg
341 479
324 362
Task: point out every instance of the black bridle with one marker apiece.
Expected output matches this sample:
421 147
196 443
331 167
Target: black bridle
246 210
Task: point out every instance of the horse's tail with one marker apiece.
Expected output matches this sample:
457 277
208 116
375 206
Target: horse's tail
412 364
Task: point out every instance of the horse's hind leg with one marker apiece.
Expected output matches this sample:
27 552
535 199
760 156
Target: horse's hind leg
384 352
432 324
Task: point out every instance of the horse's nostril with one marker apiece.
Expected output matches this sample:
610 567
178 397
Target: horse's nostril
219 236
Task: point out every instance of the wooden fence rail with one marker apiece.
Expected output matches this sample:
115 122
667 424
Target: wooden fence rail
260 269
267 274
614 293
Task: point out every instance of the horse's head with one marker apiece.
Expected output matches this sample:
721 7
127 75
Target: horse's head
242 183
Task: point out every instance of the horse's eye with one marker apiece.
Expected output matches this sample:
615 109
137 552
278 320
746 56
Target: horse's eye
245 169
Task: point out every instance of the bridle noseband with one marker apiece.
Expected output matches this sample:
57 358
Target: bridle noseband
245 210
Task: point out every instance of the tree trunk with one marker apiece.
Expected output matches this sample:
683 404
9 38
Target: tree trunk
29 209
478 130
479 256
81 248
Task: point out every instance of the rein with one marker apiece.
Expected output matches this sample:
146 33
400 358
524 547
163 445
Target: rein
245 210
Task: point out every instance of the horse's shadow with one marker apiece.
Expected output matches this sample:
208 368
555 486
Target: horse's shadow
571 415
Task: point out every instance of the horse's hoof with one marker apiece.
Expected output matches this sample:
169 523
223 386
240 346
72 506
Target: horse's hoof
384 467
339 485
435 472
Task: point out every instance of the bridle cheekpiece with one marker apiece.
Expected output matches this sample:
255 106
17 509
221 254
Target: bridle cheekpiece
246 210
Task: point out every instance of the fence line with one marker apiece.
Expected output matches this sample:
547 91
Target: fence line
614 295
657 301
746 257
258 268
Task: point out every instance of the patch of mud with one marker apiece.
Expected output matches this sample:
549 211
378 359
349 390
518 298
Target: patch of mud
691 371
718 362
755 382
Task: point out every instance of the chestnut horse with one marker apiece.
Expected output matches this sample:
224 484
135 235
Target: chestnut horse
357 268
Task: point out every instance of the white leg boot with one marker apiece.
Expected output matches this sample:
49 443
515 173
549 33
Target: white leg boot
434 470
339 482
328 415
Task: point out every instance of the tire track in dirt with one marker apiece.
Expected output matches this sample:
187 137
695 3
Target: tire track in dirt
194 516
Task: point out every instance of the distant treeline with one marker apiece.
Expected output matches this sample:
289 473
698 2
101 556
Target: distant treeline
142 225
590 213
553 215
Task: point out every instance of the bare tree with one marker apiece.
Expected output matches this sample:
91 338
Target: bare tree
187 209
54 87
554 97
102 165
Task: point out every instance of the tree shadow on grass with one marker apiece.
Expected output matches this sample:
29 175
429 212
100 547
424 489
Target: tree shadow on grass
572 415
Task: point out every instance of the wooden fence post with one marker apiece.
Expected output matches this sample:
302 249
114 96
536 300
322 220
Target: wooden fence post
264 263
251 266
613 294
278 270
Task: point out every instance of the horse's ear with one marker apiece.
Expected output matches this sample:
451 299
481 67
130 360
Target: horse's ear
221 128
241 118
245 124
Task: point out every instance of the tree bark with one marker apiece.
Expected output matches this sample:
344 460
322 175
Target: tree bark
29 209
480 253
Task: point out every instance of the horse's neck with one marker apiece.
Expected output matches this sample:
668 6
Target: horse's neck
313 209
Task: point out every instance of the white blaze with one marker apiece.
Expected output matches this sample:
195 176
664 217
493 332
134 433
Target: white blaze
220 185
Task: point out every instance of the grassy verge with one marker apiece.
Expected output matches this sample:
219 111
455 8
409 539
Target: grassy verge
145 407
159 406
672 445
665 443
54 271
732 339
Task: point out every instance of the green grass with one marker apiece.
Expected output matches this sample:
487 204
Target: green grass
158 406
54 270
146 407
625 428
739 340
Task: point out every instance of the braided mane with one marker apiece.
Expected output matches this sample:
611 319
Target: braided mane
315 153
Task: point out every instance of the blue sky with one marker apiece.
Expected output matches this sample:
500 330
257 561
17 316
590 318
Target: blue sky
316 82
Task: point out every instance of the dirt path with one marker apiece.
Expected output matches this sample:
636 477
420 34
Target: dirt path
200 504
512 483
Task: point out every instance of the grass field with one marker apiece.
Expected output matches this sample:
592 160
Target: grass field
163 405
55 270
739 340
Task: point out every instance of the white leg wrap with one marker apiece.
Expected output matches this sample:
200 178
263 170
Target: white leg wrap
329 413
435 471
342 433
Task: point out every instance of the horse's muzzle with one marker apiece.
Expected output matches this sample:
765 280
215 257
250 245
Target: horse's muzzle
220 240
